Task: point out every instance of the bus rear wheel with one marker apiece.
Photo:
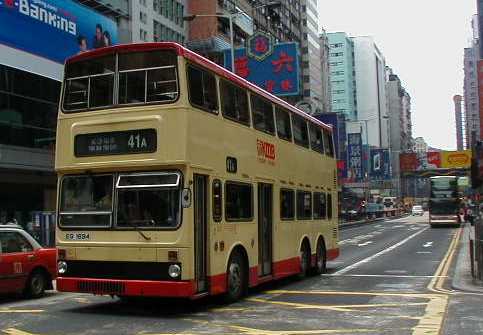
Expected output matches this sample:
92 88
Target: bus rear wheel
236 280
321 259
304 260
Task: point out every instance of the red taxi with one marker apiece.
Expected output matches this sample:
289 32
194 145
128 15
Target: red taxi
25 267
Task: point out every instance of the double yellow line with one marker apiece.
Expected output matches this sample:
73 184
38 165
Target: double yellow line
432 320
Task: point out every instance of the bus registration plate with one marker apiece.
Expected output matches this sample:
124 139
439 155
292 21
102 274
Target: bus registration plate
77 236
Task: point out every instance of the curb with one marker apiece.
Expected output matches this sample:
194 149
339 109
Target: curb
462 280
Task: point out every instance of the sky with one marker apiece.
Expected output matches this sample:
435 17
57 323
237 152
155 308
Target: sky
423 42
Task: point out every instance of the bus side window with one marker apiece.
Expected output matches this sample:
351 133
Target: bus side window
234 103
329 143
304 205
329 206
287 204
300 131
316 142
202 89
262 114
238 201
284 130
217 200
320 210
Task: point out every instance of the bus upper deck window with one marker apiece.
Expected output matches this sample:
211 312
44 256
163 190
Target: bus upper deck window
147 77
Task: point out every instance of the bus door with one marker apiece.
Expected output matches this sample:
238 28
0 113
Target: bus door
265 233
200 230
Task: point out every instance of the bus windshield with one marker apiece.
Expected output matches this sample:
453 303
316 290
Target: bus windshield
443 188
443 207
148 200
121 79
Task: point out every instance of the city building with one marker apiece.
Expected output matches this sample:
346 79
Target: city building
470 89
370 67
31 71
478 25
311 56
399 113
342 75
325 72
420 145
284 21
458 113
145 20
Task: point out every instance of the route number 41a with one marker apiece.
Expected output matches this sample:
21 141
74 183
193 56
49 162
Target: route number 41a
137 142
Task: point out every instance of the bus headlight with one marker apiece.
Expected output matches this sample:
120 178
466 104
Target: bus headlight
174 271
61 267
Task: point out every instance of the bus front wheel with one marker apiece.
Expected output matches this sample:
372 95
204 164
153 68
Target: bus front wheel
236 278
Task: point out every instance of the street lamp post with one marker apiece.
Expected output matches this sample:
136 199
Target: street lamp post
230 16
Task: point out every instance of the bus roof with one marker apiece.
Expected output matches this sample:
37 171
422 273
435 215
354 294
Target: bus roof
197 59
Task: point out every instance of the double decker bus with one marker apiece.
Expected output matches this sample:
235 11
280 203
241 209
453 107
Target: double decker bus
444 202
177 178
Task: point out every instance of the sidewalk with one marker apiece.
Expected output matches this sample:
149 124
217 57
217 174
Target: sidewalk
462 280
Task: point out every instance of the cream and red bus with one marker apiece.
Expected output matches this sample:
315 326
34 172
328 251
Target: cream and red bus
177 178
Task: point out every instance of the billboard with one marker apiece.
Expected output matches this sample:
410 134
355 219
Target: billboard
337 121
53 29
423 161
354 158
341 170
380 165
276 70
456 159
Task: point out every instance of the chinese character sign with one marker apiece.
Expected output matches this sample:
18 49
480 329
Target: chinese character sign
278 72
354 157
54 29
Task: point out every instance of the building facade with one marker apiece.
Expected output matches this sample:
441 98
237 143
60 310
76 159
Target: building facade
370 68
470 88
31 71
325 73
145 20
459 121
399 113
342 75
420 145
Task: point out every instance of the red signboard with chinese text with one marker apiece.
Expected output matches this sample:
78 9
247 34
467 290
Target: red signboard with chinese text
265 150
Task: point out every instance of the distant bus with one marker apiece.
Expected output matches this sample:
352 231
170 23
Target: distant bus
444 203
178 178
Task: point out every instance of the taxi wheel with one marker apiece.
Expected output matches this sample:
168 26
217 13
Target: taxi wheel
36 285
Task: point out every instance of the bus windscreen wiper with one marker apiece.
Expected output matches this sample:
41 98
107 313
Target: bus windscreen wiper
136 227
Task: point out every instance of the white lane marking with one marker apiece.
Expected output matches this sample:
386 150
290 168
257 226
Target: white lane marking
424 252
364 244
370 258
396 272
356 239
382 276
427 244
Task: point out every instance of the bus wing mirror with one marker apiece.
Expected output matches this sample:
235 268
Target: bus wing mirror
186 198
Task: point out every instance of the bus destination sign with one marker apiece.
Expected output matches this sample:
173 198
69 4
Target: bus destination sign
115 143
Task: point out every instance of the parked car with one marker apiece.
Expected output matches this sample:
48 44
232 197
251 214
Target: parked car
25 267
417 210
